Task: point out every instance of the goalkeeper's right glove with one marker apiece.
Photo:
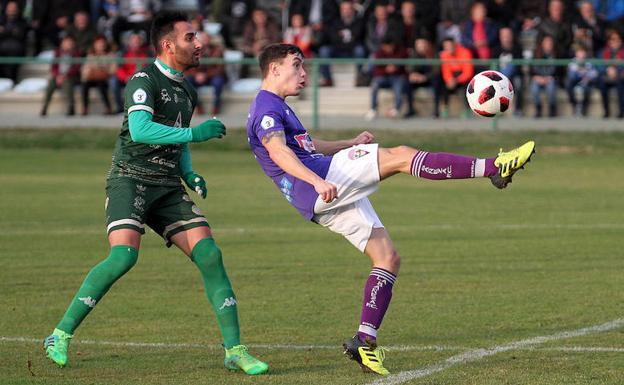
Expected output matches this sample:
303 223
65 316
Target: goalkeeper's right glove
209 129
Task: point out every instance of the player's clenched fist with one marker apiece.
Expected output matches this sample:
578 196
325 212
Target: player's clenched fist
196 183
209 129
326 191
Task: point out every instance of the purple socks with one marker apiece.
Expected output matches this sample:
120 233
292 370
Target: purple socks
440 165
377 296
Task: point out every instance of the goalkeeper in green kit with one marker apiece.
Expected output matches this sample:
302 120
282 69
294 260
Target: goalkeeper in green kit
144 187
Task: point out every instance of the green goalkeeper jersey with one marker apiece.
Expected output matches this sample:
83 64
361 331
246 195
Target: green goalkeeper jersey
171 100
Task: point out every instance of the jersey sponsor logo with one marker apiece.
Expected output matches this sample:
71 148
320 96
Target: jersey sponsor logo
164 96
140 75
357 153
139 96
88 301
162 162
286 187
267 122
176 88
305 142
230 301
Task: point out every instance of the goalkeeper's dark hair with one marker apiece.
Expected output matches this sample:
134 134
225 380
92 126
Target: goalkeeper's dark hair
276 53
162 25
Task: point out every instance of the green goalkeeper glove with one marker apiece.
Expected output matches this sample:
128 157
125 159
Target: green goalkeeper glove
209 129
196 182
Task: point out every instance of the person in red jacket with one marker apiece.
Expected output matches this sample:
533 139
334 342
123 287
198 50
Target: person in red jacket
135 50
65 74
456 74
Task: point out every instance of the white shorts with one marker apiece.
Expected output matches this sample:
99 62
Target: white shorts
355 173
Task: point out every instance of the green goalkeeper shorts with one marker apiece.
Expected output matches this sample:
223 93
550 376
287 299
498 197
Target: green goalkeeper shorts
167 210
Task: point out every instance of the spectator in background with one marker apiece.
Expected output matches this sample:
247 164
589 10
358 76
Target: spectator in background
82 29
581 78
380 26
13 30
611 10
427 12
543 77
135 15
411 29
96 72
504 13
612 75
259 32
50 18
235 14
346 39
389 76
423 75
479 34
108 18
455 75
133 53
299 34
65 74
591 25
507 50
452 14
555 26
213 75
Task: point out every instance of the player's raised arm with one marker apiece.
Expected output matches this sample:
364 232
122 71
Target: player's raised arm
330 147
285 158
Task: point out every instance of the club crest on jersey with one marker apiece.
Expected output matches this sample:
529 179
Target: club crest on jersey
164 96
267 122
357 153
305 142
140 75
139 96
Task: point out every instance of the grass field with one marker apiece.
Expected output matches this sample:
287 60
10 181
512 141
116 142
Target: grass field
481 268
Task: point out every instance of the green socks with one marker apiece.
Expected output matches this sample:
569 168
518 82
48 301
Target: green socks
96 284
207 257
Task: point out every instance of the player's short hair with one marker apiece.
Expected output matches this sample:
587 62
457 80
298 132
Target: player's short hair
162 25
276 53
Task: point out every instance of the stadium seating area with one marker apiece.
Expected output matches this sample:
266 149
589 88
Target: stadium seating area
494 30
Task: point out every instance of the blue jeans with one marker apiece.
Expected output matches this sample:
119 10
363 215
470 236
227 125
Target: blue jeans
573 83
550 88
328 51
217 82
399 86
604 87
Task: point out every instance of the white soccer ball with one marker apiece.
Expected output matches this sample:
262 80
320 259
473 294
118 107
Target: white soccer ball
489 93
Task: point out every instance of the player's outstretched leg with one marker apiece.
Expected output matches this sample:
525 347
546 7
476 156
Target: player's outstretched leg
96 284
207 256
442 166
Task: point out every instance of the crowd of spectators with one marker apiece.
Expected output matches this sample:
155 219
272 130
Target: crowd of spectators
500 30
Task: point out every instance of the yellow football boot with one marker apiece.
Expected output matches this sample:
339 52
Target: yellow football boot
511 161
367 354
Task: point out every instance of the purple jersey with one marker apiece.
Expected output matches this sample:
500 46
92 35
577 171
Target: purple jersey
268 113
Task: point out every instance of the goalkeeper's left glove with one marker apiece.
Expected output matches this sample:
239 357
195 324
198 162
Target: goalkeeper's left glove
196 182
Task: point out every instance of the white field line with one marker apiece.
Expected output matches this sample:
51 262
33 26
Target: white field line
478 354
167 345
308 229
396 348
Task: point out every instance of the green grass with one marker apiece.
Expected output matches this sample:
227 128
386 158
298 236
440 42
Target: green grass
480 267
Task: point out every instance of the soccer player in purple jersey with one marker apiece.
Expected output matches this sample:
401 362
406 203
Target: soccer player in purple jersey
328 182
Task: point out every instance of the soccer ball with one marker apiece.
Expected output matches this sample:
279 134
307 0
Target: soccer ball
489 93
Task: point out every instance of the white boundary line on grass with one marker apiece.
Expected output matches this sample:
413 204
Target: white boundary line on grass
478 354
395 348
